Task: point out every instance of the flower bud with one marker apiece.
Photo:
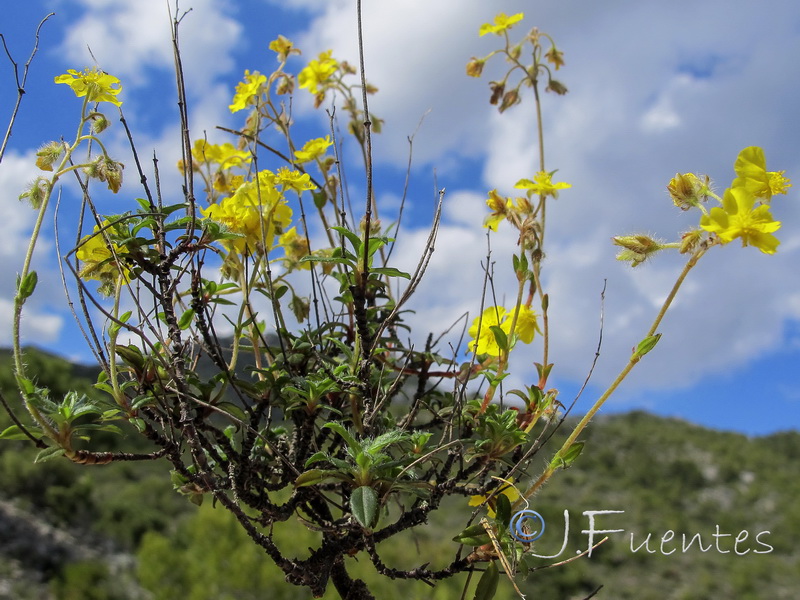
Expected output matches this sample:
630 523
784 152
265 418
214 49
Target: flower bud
36 192
107 170
556 86
636 248
497 91
285 85
510 99
475 67
690 240
99 122
48 154
687 190
374 226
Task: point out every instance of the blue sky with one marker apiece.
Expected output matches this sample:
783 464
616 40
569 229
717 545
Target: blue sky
655 88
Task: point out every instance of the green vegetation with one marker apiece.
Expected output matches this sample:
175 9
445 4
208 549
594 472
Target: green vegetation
119 531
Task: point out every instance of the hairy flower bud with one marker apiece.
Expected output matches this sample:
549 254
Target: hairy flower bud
688 190
690 240
99 122
36 192
636 248
107 170
48 154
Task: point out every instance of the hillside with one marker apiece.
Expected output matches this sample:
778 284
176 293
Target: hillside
704 514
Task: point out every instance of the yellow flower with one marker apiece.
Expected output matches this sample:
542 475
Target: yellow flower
509 491
499 206
283 48
527 326
256 210
738 219
100 257
294 180
247 90
542 184
225 155
296 247
555 57
96 85
313 149
751 172
317 72
484 340
502 22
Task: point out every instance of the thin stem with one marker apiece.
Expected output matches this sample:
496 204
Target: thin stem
634 359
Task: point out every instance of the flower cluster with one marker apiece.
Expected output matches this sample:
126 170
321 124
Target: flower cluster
256 211
530 74
744 211
248 91
317 74
516 210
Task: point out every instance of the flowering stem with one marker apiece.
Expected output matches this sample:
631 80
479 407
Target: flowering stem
551 468
537 263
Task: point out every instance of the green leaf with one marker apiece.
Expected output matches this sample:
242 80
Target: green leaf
186 319
354 239
348 438
364 505
13 433
500 337
316 457
26 386
474 535
487 586
502 509
26 285
233 410
314 476
114 328
391 272
48 453
645 346
568 457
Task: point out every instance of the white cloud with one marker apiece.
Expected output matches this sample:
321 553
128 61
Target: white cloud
128 38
